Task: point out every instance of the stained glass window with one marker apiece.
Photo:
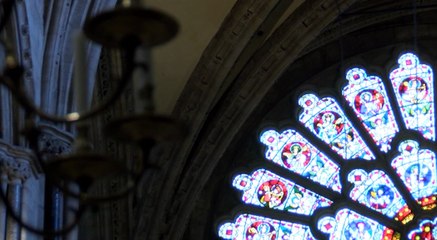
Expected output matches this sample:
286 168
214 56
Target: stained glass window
367 97
413 84
292 151
360 167
348 224
254 227
264 188
327 121
376 191
416 168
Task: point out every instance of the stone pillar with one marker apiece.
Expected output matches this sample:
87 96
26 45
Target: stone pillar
71 203
54 142
53 205
14 197
18 171
4 188
32 206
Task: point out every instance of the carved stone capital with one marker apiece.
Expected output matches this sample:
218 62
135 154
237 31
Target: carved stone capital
53 141
16 163
15 169
52 145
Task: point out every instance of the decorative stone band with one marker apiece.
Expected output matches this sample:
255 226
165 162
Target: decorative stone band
15 169
54 141
18 163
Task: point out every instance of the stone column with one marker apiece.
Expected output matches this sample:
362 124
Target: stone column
53 143
71 203
4 188
14 197
53 205
17 171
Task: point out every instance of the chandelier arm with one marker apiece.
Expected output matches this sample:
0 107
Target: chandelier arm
137 178
42 232
33 133
13 73
92 200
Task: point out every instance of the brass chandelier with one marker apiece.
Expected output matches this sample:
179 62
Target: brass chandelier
130 28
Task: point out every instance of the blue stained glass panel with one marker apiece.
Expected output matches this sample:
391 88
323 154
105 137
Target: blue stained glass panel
368 98
376 191
292 151
417 169
348 225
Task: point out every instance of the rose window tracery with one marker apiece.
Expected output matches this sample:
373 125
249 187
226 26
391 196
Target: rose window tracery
375 177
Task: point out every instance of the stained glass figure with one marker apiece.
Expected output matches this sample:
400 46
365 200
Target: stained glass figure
427 231
251 227
327 121
293 152
368 98
417 169
264 188
376 191
414 88
348 225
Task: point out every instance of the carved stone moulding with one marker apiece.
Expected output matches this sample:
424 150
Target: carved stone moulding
54 141
19 163
16 163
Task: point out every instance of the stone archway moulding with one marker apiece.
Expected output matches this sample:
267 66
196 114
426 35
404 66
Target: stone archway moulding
178 196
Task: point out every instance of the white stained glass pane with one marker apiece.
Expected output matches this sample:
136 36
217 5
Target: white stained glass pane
252 227
414 88
417 169
348 225
368 98
327 121
292 151
376 191
266 189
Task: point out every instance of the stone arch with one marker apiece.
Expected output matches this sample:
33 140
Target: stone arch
249 97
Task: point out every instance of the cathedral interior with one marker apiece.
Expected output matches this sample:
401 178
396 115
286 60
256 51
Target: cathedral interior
234 69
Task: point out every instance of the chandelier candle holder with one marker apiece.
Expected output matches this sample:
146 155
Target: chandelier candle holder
132 29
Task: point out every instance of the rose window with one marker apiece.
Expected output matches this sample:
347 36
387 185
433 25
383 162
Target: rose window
362 166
